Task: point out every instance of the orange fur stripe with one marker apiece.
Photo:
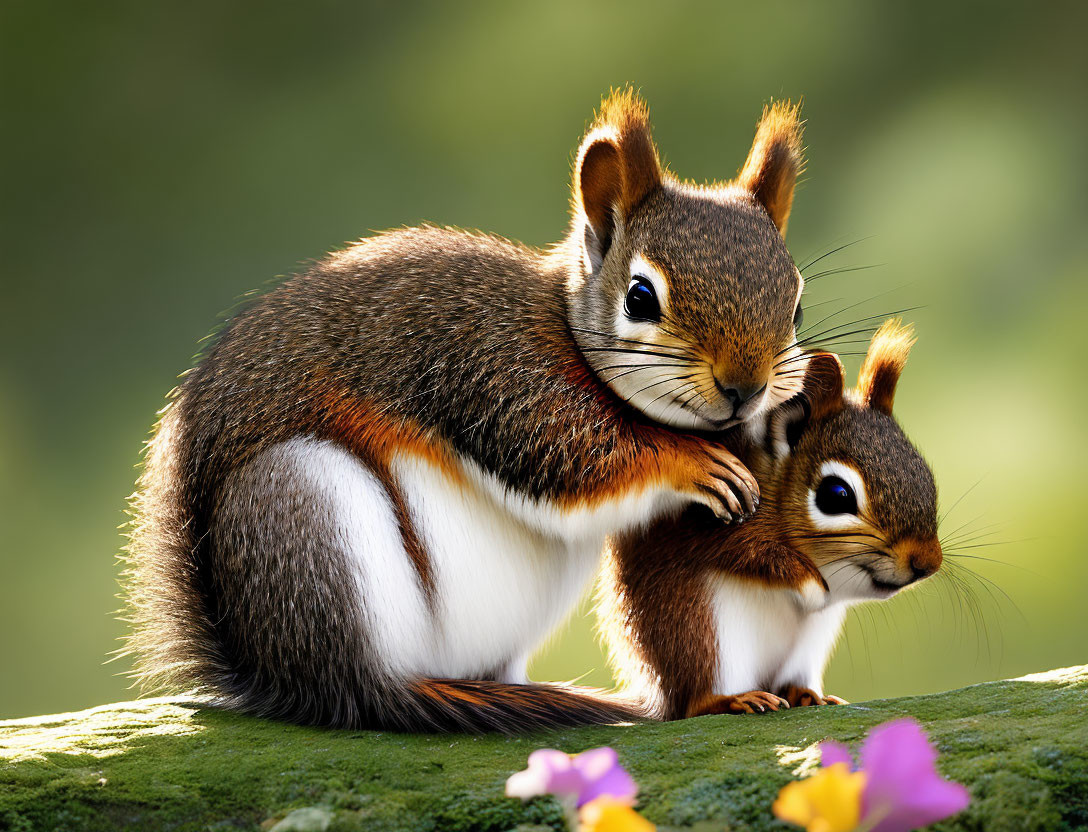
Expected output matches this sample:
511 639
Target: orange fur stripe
365 430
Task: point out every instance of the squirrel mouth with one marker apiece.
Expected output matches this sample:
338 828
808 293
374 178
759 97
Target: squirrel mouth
722 424
883 586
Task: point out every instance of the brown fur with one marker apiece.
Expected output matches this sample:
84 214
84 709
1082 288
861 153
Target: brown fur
775 161
654 601
726 265
617 163
449 346
884 364
751 702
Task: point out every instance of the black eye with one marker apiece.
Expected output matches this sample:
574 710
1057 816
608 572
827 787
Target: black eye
798 318
641 301
834 496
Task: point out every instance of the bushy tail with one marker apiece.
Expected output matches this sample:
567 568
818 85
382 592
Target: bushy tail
481 706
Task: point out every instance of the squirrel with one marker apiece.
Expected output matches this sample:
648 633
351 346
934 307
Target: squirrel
702 618
392 476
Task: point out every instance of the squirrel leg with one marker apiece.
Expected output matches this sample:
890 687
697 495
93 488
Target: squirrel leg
752 702
714 476
776 565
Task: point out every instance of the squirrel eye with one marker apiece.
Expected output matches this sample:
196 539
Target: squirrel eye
834 496
641 301
798 317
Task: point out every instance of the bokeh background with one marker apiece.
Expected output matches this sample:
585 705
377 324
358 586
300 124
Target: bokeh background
162 159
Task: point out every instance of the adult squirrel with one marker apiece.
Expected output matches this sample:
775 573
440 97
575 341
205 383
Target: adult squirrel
702 618
391 477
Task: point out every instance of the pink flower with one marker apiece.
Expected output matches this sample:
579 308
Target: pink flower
591 774
903 790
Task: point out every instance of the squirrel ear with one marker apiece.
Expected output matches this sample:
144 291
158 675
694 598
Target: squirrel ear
775 161
823 385
884 362
785 426
820 395
617 167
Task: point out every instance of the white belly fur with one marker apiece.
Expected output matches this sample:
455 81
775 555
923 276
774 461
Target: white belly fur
502 586
507 570
765 641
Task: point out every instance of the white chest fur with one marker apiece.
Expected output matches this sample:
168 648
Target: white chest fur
501 585
766 641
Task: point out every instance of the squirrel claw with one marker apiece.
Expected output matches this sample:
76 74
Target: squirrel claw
752 702
725 485
800 697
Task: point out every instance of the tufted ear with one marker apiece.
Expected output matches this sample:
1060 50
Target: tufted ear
785 426
775 161
821 394
884 362
823 385
617 167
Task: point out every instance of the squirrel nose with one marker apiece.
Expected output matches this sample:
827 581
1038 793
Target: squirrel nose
919 572
923 558
738 395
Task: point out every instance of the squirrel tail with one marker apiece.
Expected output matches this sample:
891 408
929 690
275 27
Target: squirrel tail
476 706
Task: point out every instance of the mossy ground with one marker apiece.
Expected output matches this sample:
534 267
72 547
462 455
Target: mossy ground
1021 747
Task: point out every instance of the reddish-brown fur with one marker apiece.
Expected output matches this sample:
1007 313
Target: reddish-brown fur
775 161
655 612
467 351
618 164
883 366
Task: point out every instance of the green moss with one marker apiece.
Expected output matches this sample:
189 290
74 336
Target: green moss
1021 747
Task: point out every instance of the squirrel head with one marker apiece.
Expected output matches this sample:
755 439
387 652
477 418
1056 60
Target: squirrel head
850 490
683 298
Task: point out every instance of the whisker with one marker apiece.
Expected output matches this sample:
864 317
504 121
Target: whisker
652 385
637 368
855 305
873 317
841 270
959 500
673 390
612 337
623 350
824 256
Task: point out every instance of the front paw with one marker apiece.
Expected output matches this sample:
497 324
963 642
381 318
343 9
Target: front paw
752 702
800 697
719 480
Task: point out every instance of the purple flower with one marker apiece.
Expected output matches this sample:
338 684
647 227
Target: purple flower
835 752
591 774
604 776
903 790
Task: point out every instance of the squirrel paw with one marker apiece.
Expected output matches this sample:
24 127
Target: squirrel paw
799 697
724 484
752 702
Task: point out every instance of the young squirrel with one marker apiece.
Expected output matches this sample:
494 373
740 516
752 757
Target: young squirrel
702 618
391 477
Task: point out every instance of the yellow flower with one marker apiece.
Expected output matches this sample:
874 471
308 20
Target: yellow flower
606 814
829 801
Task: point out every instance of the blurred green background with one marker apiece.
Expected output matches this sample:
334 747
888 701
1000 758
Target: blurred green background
161 159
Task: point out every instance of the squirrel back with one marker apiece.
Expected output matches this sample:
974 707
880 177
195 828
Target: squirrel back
701 618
